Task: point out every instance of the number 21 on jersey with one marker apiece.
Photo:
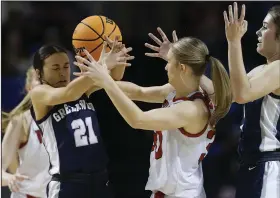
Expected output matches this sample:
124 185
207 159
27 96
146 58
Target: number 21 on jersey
80 128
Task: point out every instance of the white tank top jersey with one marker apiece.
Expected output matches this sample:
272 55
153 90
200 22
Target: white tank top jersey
270 123
261 128
175 161
34 163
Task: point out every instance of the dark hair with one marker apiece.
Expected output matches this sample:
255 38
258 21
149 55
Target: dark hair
275 13
43 53
194 53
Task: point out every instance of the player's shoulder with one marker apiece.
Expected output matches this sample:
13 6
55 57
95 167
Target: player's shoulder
39 89
168 91
192 109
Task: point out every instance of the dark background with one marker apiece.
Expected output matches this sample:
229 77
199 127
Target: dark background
28 25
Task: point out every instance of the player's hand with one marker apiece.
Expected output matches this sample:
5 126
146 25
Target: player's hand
235 27
111 43
96 71
13 182
119 47
163 46
117 56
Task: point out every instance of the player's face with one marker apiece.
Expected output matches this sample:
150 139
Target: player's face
172 68
268 45
56 70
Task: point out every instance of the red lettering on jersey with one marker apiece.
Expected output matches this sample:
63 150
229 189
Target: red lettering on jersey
157 145
208 146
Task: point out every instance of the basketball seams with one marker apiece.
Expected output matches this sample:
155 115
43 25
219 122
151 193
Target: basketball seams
99 36
112 30
102 26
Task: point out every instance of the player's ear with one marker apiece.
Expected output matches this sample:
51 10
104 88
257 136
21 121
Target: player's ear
182 67
185 68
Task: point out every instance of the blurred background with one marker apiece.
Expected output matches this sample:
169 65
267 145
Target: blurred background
28 25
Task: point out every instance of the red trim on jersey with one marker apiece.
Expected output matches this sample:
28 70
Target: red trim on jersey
209 106
159 194
182 98
184 132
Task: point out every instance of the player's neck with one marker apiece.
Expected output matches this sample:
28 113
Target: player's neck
273 58
184 89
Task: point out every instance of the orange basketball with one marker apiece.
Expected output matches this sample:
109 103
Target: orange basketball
89 34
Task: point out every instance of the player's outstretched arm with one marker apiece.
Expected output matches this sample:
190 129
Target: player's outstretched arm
154 94
46 95
245 87
116 60
50 96
161 52
235 28
176 116
167 118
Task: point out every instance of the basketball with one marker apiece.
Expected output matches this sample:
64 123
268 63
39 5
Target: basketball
89 34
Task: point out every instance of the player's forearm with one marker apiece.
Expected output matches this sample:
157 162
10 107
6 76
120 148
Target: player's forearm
129 111
130 89
75 89
117 73
238 77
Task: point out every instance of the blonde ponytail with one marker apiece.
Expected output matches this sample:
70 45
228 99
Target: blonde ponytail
222 88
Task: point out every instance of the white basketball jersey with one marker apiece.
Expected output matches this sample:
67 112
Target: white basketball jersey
175 161
270 123
34 163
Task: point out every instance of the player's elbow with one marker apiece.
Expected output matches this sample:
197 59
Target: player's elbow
240 99
136 122
242 95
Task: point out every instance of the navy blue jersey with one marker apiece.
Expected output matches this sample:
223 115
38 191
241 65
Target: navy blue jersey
72 139
261 129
